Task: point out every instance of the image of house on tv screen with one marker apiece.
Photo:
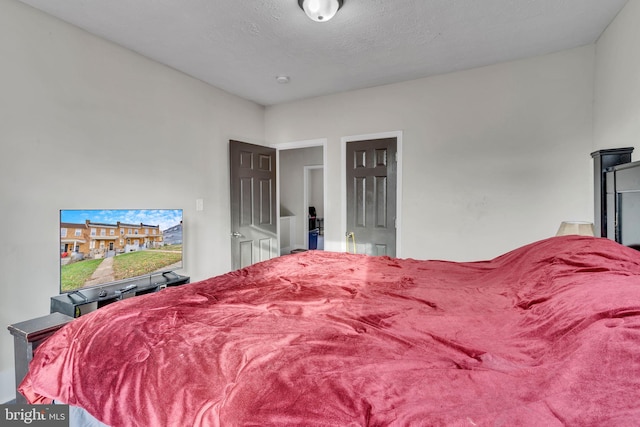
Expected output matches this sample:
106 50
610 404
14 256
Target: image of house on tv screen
103 246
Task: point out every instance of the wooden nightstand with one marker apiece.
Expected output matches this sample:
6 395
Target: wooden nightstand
27 336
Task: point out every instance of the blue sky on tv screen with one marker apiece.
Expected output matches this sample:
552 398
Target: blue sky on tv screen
165 218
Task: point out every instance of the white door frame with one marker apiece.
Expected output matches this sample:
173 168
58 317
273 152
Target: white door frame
343 185
320 142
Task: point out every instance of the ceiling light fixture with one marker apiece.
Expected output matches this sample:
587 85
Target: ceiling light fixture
320 10
282 79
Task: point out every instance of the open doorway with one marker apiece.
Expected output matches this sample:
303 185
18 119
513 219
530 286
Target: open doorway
314 200
301 184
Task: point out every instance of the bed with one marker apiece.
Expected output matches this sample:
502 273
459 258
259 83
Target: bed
547 334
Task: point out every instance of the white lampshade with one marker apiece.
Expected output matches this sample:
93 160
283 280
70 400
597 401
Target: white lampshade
581 228
320 10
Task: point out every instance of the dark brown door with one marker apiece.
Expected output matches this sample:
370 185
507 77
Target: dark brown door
253 203
371 195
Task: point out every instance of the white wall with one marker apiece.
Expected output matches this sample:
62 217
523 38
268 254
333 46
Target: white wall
316 191
617 82
494 157
86 124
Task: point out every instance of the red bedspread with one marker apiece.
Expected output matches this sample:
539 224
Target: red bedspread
548 334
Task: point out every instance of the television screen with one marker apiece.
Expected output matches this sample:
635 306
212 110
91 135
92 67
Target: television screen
109 245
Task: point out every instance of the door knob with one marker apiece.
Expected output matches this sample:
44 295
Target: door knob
236 234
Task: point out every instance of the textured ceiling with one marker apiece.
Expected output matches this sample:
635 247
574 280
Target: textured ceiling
242 45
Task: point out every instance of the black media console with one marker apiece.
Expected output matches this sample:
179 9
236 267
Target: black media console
75 304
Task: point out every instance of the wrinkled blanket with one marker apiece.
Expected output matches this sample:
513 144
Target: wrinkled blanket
548 334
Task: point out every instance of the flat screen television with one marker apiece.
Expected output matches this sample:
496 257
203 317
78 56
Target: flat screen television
99 247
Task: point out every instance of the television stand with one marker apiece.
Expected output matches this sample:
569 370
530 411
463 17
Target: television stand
77 296
84 301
